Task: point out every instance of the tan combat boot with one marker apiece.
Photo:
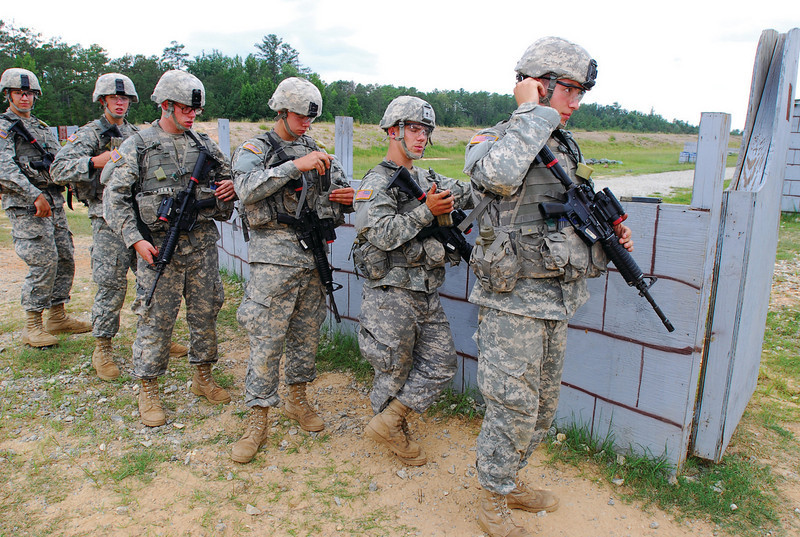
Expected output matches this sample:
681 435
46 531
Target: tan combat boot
150 409
102 359
298 409
33 334
176 350
387 428
495 519
246 448
532 500
203 384
58 322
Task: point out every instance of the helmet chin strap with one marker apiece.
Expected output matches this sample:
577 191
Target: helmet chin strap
285 117
110 113
402 126
551 87
171 115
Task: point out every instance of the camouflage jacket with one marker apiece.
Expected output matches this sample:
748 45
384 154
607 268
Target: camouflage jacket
500 162
137 176
388 222
21 183
267 183
72 161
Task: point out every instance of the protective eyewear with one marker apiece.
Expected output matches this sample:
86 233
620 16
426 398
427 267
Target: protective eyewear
189 109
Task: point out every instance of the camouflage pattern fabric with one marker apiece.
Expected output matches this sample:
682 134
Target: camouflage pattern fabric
406 338
284 305
45 244
282 311
110 258
194 275
194 270
404 332
521 334
520 361
71 164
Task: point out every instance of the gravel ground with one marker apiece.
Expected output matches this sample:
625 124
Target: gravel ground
648 184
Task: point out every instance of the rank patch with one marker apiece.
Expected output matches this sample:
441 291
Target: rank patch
115 156
363 194
252 148
478 138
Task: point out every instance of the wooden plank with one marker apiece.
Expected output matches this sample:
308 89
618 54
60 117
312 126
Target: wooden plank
668 387
709 171
343 143
575 408
683 234
224 136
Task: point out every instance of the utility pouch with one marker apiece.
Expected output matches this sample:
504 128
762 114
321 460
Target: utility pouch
149 203
496 265
371 261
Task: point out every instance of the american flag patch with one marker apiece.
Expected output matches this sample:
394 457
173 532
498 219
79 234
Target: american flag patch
115 155
3 134
72 137
478 138
253 148
363 194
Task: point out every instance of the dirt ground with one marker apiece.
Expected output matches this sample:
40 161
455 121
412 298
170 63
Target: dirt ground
334 483
75 461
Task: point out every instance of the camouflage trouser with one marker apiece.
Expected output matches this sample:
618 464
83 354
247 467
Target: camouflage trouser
45 244
406 337
111 260
193 276
520 361
283 306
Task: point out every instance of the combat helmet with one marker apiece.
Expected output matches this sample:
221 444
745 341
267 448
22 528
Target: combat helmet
114 84
180 87
556 58
297 95
407 108
17 78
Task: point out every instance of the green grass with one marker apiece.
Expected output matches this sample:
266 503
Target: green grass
788 237
338 351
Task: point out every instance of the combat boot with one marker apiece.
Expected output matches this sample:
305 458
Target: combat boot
387 428
246 448
34 334
176 350
103 360
203 384
298 409
150 409
495 519
532 500
58 322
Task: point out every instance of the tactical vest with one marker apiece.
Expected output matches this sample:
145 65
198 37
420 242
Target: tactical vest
165 166
25 153
93 190
264 211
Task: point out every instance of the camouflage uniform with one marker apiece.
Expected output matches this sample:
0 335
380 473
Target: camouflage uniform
404 332
153 165
45 244
111 259
522 332
284 303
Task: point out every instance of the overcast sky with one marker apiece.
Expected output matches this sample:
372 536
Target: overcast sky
679 58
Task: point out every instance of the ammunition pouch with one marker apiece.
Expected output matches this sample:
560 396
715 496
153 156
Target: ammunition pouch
496 265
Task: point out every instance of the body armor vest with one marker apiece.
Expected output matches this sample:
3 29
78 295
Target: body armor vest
25 153
93 190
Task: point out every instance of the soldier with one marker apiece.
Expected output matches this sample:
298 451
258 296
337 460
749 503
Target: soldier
148 168
78 165
35 207
532 274
404 332
277 174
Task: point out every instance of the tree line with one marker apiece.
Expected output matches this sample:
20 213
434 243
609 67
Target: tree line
239 88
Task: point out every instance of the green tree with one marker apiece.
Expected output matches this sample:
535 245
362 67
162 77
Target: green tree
174 57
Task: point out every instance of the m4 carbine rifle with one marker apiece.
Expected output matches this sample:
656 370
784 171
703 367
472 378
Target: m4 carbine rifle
315 234
180 211
594 215
445 230
42 164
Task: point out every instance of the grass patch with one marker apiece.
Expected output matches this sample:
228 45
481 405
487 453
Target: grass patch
788 237
737 494
452 403
338 351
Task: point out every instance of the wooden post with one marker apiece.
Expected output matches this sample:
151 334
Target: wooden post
343 144
224 135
